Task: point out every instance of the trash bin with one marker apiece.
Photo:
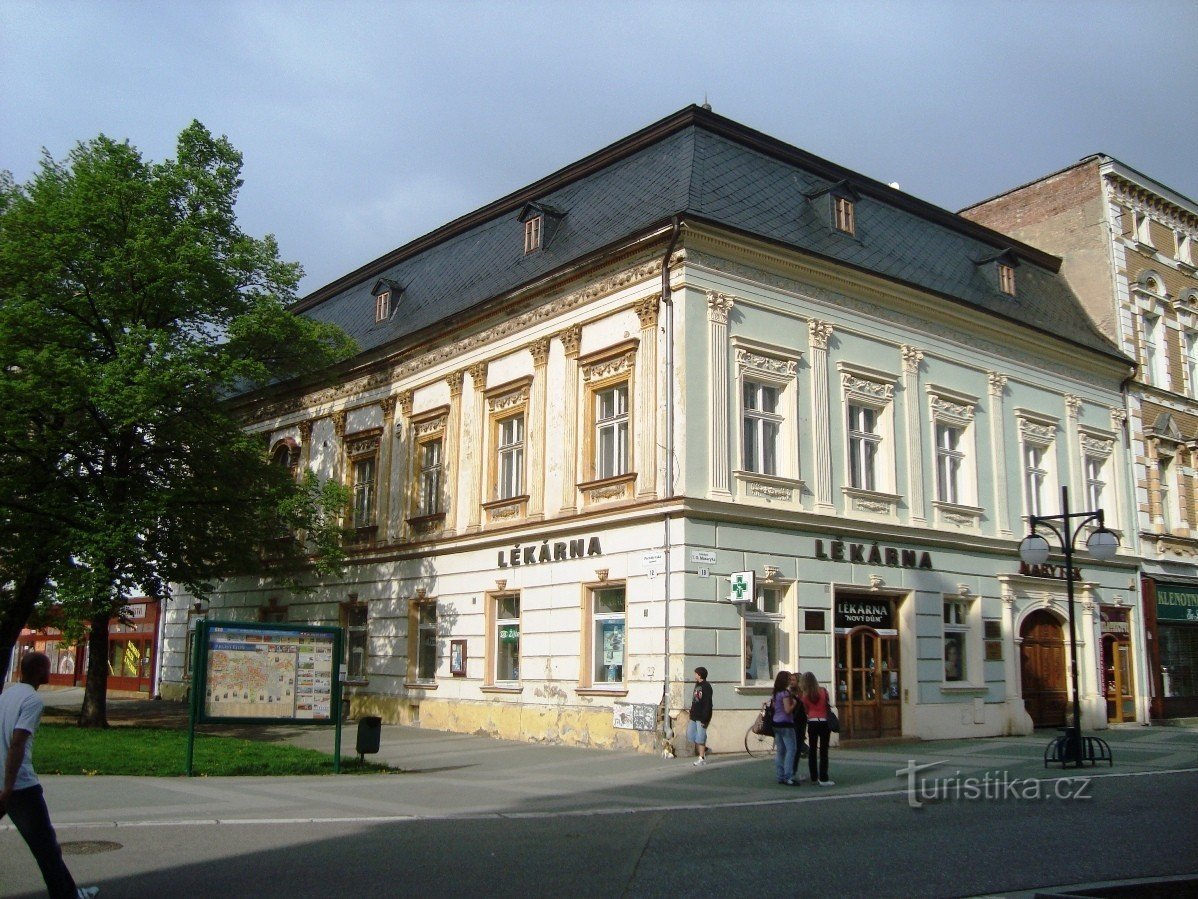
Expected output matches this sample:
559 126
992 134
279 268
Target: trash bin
370 728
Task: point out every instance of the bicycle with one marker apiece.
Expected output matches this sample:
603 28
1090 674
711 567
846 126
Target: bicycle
761 746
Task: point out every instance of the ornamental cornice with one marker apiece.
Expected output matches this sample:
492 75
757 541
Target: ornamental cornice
1149 203
781 367
510 400
943 408
429 426
1096 446
606 368
362 446
873 389
1037 432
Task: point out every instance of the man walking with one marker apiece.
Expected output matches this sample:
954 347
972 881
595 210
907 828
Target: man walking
700 715
21 796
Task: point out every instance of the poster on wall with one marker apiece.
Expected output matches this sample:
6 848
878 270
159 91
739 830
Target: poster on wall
265 672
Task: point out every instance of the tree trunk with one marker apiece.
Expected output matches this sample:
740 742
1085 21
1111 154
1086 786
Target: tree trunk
95 694
14 614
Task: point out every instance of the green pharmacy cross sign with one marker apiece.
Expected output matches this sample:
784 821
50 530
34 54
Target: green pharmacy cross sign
742 587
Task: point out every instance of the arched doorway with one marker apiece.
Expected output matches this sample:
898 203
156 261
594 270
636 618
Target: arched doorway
1042 667
867 684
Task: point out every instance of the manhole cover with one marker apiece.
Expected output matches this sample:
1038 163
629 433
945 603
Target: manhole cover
88 847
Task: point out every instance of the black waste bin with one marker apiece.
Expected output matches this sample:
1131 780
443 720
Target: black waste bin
370 729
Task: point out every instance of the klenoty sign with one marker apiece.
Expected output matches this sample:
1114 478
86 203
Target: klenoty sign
1176 603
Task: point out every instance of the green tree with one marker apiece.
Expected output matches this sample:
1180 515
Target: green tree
132 307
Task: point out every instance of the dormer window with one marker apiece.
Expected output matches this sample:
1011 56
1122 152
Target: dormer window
532 234
386 297
1006 279
844 215
540 221
836 204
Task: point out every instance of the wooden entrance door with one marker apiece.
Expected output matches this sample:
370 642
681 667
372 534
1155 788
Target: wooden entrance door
867 685
1117 679
1042 666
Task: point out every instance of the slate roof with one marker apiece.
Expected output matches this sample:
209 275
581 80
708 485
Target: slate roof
700 165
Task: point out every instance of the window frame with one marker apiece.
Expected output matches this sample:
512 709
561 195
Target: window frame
357 635
592 627
957 411
844 215
873 391
778 620
382 306
620 423
960 621
534 230
1155 346
775 368
494 626
1006 278
418 627
504 403
1037 432
362 448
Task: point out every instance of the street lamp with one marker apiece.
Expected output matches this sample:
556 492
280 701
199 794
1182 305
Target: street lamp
1033 549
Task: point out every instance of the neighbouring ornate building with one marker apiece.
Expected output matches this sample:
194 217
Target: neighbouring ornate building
1128 245
702 398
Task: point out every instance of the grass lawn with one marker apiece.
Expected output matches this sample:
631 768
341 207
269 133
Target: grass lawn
162 752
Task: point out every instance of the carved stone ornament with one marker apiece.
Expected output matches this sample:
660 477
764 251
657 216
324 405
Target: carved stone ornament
1035 432
478 375
611 491
782 367
454 380
1073 404
363 446
911 358
387 404
405 403
1118 418
768 491
431 426
339 422
508 400
305 429
608 367
998 383
571 339
948 409
646 311
820 333
1096 446
718 307
539 349
870 505
854 384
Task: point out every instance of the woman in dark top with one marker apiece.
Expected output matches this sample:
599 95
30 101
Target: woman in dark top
785 744
800 725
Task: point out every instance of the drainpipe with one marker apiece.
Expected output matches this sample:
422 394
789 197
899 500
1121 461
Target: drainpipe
667 731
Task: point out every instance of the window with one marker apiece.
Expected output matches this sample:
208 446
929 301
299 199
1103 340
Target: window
505 650
1095 482
1191 362
429 499
1167 487
353 619
382 306
425 641
607 626
286 455
767 647
762 427
1006 279
956 628
1142 228
1154 355
532 234
363 492
1035 476
1183 243
611 431
864 443
949 459
845 215
510 448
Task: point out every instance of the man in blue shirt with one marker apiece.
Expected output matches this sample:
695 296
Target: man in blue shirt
21 796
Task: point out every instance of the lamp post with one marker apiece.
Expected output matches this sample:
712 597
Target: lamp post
1034 549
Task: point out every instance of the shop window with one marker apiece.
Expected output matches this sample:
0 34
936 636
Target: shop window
1179 660
766 640
956 648
605 632
422 641
354 621
504 645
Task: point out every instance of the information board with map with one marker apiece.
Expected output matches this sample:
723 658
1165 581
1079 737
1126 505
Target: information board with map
267 671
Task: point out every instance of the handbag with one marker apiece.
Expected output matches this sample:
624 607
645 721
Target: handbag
764 725
833 721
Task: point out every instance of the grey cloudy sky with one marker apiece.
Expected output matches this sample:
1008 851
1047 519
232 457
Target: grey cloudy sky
365 125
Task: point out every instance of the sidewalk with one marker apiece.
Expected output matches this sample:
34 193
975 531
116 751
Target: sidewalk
447 775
